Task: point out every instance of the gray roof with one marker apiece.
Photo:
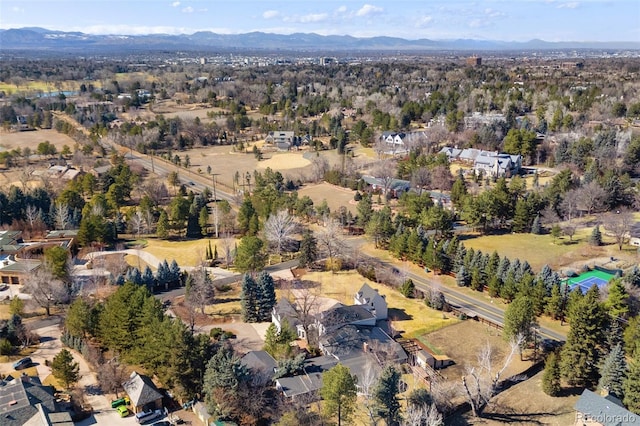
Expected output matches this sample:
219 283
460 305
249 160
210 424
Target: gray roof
605 410
19 397
340 315
9 237
259 361
310 380
141 390
395 184
285 309
368 293
351 341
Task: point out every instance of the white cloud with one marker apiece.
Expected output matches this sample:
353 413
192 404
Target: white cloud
368 9
424 21
314 17
187 9
341 9
570 5
270 14
175 4
17 9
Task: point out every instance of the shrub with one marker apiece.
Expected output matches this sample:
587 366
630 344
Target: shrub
6 348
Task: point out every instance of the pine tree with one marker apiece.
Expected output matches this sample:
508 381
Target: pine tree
339 393
174 273
495 286
631 386
147 278
407 289
65 369
596 236
551 377
555 303
617 302
248 299
536 227
462 277
386 395
308 250
265 296
162 227
503 268
581 353
614 371
519 319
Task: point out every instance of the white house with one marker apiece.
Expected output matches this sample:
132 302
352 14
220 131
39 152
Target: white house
394 143
371 300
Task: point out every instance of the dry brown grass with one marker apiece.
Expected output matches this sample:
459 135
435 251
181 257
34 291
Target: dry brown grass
335 196
21 140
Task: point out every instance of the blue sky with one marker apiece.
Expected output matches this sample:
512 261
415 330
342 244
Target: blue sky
519 20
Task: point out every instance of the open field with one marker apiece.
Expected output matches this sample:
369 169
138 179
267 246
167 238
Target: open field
186 253
516 405
30 88
410 317
335 195
31 139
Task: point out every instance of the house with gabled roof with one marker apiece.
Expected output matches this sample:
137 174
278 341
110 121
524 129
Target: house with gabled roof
595 410
142 393
24 401
372 300
260 362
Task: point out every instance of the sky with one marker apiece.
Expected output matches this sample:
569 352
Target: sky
506 20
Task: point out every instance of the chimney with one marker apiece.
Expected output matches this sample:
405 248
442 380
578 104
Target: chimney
365 347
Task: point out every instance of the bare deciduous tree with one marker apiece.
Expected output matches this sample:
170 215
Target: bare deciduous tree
319 167
618 224
61 216
307 306
421 179
137 223
481 381
32 214
227 244
591 197
330 238
200 292
156 190
46 291
385 171
111 376
422 415
569 204
278 230
367 386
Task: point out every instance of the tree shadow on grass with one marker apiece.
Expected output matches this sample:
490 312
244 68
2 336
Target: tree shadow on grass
396 314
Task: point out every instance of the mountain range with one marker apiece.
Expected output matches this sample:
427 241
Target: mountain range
34 38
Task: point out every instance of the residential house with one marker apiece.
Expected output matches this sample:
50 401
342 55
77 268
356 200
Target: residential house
451 153
372 300
498 165
142 393
396 187
394 143
283 140
340 315
24 401
100 171
595 410
260 362
285 311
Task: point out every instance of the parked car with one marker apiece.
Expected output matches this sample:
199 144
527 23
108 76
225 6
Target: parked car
3 287
23 363
119 402
162 423
122 410
146 416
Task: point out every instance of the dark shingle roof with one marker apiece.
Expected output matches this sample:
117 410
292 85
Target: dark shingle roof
259 361
19 397
141 390
605 411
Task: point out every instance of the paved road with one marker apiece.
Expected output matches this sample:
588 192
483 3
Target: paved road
452 295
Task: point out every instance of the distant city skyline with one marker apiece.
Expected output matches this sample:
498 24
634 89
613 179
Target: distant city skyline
515 20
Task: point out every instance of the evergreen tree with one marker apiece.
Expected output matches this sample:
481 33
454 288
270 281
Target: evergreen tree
613 372
408 288
555 303
551 376
462 277
134 276
266 296
162 274
617 302
174 273
65 369
631 386
477 279
223 379
495 286
536 227
519 319
339 393
147 278
162 227
203 221
595 239
250 255
308 249
461 253
614 334
249 299
492 265
386 395
581 353
503 268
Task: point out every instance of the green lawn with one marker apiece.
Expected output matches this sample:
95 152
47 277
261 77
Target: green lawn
538 250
